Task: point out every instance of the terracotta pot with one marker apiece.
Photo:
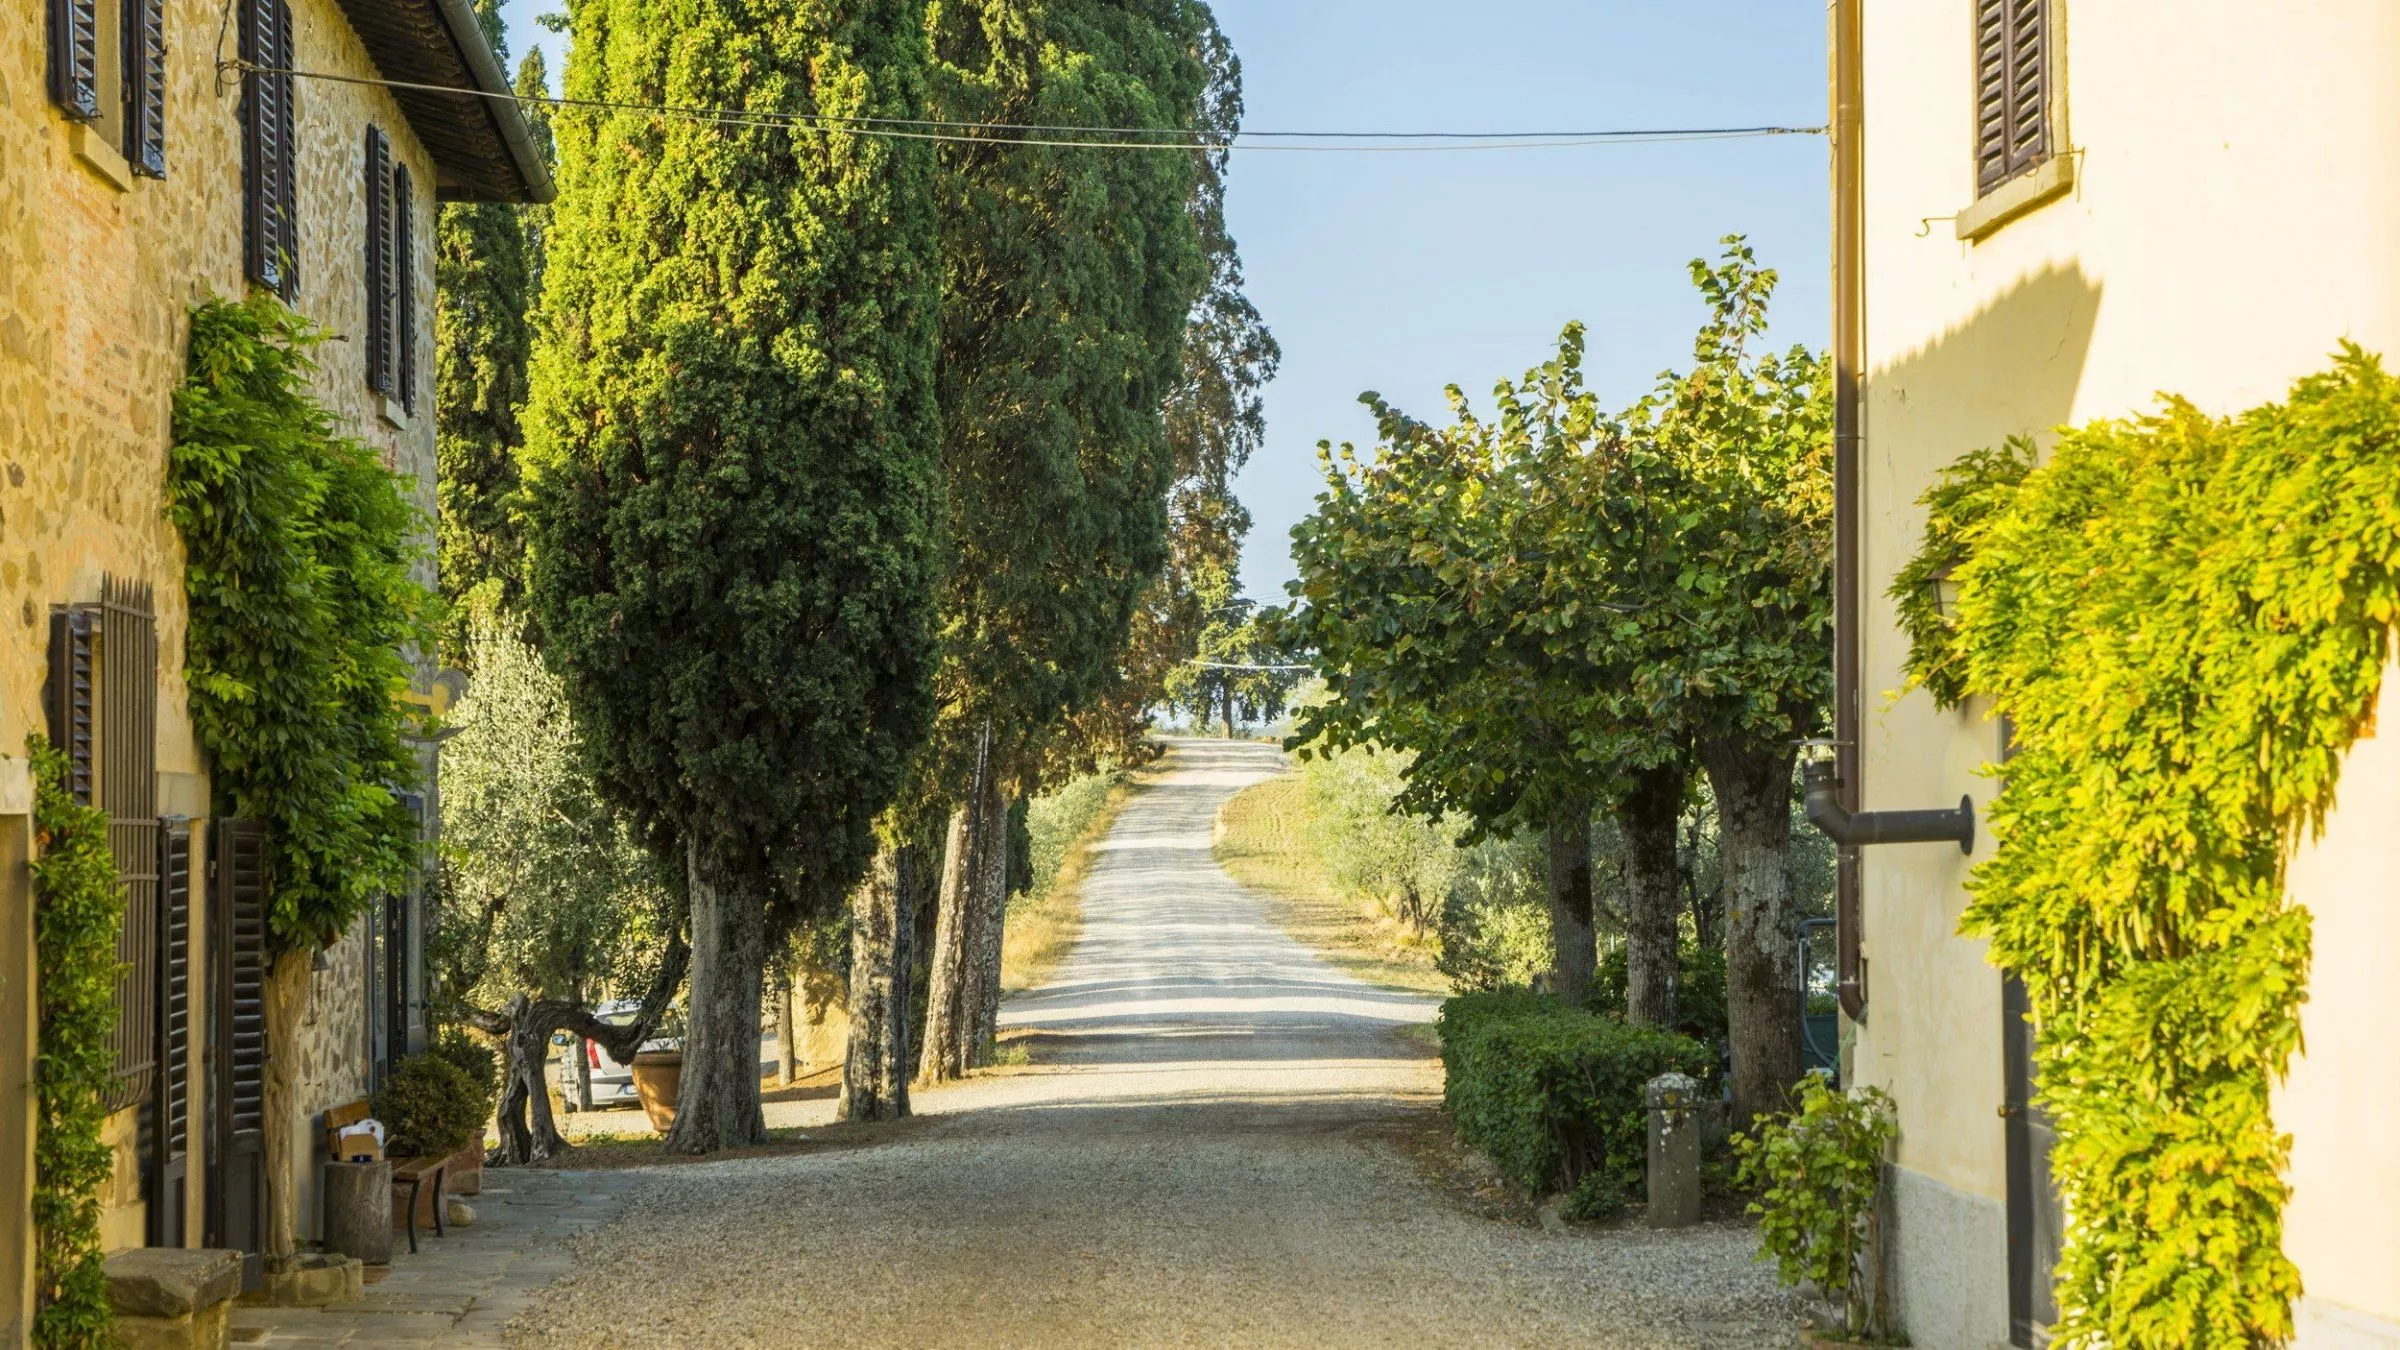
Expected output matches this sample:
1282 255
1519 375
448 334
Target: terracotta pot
465 1174
656 1076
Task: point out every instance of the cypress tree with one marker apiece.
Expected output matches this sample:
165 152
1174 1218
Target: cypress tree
1068 275
486 275
732 489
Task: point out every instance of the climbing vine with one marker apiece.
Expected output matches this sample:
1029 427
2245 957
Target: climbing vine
2185 618
78 907
300 545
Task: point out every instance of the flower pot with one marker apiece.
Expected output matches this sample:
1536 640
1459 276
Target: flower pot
656 1076
465 1171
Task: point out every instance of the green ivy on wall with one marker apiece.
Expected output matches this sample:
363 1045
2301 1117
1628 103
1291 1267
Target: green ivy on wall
299 546
2186 619
78 907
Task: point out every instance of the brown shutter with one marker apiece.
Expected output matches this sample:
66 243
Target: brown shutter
287 208
172 1106
404 290
263 159
237 1032
72 694
145 69
2012 89
379 261
129 794
75 57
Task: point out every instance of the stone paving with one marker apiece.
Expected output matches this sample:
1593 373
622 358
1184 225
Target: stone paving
459 1290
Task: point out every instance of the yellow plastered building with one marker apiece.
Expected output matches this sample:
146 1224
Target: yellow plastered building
2050 211
132 147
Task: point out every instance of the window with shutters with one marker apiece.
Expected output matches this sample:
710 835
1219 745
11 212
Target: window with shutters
108 72
379 261
2012 89
270 151
102 703
75 50
145 86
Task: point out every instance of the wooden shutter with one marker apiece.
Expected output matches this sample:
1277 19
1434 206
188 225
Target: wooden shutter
75 57
129 794
270 149
404 290
172 1106
237 1032
72 694
379 261
145 68
2012 89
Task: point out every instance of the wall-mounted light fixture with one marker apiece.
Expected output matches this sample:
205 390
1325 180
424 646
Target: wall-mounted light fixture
1944 586
1854 829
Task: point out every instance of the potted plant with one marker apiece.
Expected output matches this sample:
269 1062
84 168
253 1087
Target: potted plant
1818 1173
658 1072
482 1068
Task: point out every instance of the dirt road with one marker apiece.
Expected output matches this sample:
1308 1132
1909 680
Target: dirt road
1218 1142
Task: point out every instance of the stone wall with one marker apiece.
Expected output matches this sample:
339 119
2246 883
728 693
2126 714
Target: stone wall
98 273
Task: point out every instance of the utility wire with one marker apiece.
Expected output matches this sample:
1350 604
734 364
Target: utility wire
1074 137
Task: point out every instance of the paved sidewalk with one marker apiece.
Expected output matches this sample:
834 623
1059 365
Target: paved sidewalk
459 1290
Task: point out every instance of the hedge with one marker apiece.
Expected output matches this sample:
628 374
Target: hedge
1552 1094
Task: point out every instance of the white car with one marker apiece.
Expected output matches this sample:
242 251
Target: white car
609 1079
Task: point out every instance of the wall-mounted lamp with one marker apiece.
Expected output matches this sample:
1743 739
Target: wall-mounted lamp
1853 829
1944 586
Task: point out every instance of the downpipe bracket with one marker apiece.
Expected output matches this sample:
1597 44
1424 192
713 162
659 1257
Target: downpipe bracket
1854 829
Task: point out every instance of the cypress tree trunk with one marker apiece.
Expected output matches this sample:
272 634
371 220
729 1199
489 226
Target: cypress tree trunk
945 1052
1574 947
1646 816
716 1107
875 1072
1753 783
991 915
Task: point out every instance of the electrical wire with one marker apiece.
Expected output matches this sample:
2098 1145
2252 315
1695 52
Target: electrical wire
1078 138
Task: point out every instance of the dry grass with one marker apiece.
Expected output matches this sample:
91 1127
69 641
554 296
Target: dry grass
1042 928
1262 842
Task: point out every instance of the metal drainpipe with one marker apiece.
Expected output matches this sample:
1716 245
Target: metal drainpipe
1857 829
1846 128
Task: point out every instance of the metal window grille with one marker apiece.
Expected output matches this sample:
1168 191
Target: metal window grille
129 794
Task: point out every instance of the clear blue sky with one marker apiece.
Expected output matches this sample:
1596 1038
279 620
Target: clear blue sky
1403 273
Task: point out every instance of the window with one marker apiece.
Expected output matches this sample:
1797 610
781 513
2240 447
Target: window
2012 89
379 262
270 158
108 71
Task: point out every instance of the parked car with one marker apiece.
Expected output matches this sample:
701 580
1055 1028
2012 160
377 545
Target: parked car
610 1080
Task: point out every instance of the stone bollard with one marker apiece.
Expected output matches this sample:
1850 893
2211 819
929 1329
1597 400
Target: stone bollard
1674 1101
358 1210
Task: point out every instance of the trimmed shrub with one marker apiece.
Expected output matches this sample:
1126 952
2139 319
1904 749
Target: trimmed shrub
1699 990
1553 1094
431 1107
479 1062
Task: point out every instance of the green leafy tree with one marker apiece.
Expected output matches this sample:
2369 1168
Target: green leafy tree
732 467
1068 278
1240 669
1215 420
550 904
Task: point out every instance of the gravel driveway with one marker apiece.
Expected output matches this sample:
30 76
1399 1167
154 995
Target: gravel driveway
1207 1150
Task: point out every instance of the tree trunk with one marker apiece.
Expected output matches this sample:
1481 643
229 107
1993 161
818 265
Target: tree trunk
875 1072
1646 816
1574 948
946 1020
528 1051
288 981
991 921
1229 710
787 1041
1753 783
717 1107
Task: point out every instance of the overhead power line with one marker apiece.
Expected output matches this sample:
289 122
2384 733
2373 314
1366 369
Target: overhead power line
1056 136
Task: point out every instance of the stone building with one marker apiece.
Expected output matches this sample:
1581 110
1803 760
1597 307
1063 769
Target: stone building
2048 212
143 169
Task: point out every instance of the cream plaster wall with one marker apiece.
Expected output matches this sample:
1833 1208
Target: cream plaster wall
2236 212
96 280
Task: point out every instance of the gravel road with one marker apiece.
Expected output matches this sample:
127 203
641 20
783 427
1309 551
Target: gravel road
1212 1146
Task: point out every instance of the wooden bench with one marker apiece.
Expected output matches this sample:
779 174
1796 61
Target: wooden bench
415 1172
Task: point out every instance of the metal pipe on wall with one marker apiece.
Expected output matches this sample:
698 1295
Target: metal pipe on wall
1847 124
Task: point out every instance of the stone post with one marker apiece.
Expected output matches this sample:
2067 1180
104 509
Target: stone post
358 1210
1674 1102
